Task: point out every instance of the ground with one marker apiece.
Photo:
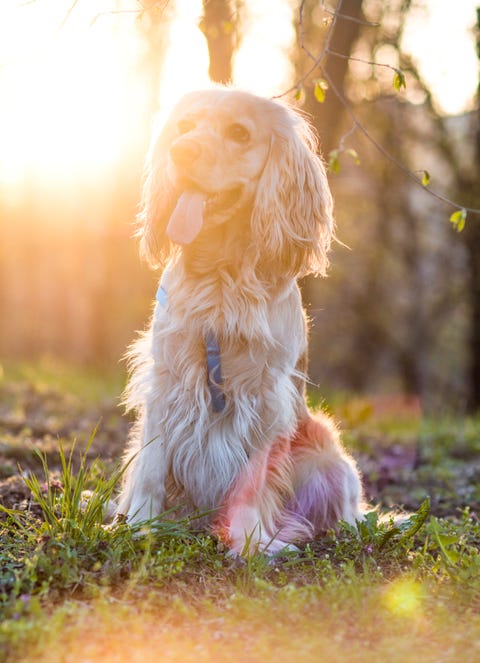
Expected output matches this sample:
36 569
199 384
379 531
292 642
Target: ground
73 589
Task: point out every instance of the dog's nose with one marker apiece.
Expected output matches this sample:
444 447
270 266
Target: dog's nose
184 151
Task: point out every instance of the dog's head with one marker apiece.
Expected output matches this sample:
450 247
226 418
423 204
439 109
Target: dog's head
228 161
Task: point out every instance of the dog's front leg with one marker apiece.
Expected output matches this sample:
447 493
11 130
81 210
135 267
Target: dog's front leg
143 494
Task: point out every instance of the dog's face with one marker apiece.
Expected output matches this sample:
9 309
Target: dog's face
220 147
225 154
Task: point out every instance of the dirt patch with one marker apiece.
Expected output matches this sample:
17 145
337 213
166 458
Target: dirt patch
38 421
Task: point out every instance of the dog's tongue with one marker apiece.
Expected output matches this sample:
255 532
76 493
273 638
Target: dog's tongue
187 217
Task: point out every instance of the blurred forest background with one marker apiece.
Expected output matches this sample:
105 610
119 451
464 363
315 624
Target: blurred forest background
80 84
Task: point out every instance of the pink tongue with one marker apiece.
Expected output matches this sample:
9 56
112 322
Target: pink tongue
187 217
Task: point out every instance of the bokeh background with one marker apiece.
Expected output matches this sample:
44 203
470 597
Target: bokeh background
83 84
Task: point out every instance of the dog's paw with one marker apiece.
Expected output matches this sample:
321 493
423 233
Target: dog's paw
270 548
277 548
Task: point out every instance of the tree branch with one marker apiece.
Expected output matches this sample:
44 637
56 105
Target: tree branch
384 152
318 63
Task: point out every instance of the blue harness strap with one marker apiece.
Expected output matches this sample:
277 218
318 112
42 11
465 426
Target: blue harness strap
214 371
161 296
214 365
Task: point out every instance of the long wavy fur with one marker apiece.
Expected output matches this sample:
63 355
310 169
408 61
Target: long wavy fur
273 473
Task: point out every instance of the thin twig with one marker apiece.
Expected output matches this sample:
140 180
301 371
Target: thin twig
346 17
405 169
341 144
317 64
316 61
65 18
138 12
302 32
352 58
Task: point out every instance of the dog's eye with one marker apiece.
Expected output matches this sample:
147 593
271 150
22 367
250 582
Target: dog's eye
184 126
238 133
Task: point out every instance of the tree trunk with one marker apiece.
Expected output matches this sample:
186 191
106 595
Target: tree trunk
218 28
472 242
327 117
473 248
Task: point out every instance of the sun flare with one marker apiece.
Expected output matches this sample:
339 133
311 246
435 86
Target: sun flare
404 598
260 65
64 103
75 97
67 80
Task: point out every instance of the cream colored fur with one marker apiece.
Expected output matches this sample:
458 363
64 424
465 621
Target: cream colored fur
237 278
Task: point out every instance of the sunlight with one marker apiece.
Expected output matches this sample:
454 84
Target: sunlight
66 84
64 105
262 64
439 37
186 62
69 80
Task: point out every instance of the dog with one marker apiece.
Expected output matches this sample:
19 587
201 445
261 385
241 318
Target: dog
236 207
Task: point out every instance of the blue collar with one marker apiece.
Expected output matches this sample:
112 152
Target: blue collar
214 366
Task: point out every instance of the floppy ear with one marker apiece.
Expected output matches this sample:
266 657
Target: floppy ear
293 210
158 199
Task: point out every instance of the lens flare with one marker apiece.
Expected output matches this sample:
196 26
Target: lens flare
404 598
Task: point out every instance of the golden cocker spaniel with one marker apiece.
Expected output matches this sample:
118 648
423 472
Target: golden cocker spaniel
236 208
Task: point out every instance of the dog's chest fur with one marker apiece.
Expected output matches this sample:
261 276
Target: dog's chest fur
260 342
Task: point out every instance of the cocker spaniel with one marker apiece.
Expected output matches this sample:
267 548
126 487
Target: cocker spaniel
237 206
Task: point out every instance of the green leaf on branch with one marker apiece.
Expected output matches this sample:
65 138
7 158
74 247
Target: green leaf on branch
353 154
425 178
399 80
319 89
299 94
333 162
458 219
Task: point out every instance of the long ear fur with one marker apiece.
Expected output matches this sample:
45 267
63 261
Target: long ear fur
293 209
158 199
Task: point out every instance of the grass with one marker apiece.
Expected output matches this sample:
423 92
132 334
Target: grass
73 589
